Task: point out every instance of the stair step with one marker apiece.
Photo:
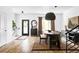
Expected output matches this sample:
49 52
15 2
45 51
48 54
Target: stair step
70 43
74 47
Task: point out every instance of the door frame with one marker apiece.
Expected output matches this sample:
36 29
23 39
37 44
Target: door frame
23 26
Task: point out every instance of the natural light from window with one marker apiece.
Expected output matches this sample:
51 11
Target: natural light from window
46 24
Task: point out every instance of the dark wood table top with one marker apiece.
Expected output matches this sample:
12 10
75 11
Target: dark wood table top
52 33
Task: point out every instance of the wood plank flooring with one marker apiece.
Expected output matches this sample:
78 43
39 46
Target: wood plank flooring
22 45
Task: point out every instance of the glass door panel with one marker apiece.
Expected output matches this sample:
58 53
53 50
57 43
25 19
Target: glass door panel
25 27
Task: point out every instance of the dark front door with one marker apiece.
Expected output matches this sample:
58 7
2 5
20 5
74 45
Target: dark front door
25 27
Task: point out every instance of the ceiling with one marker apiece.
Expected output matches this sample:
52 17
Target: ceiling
40 9
37 9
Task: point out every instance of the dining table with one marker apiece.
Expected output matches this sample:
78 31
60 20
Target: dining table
53 39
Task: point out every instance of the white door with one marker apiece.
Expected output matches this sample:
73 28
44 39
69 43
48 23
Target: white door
3 31
0 28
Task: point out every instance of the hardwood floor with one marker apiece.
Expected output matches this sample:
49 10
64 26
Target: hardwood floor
21 45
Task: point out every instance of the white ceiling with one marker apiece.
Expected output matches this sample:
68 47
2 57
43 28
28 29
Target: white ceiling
36 9
41 9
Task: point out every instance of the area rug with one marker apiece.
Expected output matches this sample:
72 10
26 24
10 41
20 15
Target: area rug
43 48
38 46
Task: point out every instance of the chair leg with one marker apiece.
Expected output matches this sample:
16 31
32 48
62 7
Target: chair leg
40 41
45 40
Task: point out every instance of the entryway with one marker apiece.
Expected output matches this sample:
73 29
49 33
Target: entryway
25 27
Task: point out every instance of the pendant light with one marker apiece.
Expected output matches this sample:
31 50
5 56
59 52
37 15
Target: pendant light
50 16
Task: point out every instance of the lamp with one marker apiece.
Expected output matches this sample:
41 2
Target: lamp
51 16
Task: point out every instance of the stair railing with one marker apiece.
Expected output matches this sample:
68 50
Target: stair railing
67 40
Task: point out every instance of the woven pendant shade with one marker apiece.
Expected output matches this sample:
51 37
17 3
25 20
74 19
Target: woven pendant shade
50 16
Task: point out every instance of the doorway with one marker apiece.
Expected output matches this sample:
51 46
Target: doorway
25 27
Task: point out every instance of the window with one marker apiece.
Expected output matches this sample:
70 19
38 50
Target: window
46 24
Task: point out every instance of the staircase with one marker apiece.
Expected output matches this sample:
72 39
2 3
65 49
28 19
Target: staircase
72 40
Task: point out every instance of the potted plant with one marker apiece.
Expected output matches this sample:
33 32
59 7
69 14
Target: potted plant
14 25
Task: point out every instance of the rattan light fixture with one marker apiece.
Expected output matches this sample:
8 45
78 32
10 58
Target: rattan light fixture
50 16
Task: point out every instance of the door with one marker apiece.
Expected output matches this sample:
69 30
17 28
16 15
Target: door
0 28
3 29
25 27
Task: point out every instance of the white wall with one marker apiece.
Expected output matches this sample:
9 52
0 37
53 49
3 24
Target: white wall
6 18
10 17
58 22
19 17
68 14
